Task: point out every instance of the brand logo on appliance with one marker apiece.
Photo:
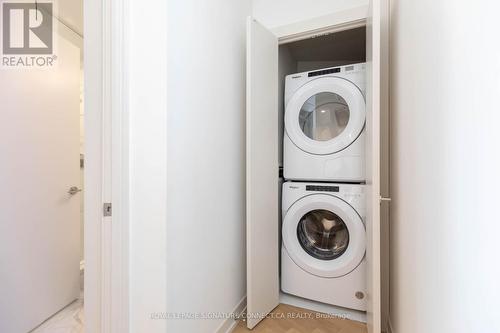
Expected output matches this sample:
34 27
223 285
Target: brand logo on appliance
296 76
27 34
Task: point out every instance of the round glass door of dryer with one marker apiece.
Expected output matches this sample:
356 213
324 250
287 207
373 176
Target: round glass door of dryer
325 115
324 235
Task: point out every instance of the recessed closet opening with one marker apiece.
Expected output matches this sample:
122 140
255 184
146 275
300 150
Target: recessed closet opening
325 51
312 126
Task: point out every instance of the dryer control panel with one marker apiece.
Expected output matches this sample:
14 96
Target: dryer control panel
324 72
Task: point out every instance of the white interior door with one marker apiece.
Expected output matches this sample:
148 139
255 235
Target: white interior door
377 100
39 219
262 172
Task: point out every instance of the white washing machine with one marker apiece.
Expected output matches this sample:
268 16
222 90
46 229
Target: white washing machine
325 113
324 243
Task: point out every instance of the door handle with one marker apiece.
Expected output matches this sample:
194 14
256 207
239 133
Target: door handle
74 190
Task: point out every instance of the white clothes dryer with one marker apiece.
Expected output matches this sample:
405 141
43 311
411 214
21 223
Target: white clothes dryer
325 114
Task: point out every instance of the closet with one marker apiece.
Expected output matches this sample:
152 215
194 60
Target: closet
271 55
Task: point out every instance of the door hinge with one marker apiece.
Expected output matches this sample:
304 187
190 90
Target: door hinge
382 199
107 209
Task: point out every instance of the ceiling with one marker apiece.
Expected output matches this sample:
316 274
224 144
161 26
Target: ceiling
70 13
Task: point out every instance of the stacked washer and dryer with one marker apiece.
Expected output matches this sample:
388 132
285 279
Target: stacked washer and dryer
323 199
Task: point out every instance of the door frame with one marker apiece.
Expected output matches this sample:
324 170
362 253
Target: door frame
335 22
106 167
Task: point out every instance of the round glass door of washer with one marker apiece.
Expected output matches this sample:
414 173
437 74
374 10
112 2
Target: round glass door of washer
324 235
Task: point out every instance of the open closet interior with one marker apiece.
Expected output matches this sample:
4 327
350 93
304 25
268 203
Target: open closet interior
312 169
318 55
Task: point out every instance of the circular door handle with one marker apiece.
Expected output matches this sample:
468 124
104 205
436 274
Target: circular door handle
74 190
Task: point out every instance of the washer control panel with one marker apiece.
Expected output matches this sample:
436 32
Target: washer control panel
322 188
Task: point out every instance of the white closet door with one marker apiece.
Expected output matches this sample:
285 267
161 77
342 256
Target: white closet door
262 172
377 100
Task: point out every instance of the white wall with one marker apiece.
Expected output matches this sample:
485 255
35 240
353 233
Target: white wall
206 154
147 48
445 62
282 12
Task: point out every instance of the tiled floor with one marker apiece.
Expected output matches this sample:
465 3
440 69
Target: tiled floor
68 320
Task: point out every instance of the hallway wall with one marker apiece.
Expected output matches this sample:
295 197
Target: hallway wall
147 156
445 83
206 160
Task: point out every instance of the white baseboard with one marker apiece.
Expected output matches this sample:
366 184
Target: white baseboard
322 307
229 324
